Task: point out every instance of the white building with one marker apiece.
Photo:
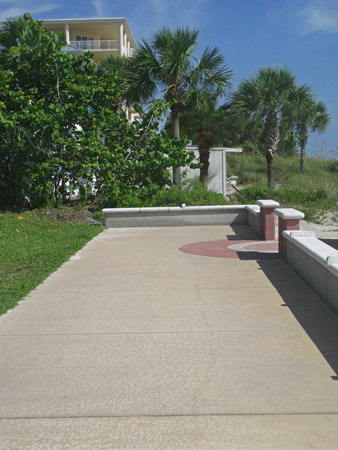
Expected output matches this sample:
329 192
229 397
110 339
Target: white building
102 37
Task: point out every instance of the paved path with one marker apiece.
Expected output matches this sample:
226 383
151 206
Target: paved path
134 344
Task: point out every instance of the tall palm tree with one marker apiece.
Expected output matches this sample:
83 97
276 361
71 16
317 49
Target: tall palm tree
167 66
310 116
271 93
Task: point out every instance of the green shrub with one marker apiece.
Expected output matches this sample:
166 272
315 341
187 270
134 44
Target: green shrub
193 193
251 194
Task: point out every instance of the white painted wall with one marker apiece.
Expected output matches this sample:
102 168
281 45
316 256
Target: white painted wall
217 167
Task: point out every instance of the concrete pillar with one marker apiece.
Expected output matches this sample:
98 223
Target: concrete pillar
267 219
121 38
288 219
125 42
67 33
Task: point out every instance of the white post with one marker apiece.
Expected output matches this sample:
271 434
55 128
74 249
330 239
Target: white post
121 39
67 32
125 43
224 172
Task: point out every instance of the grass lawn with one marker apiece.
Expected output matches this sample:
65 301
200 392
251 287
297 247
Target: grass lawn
33 244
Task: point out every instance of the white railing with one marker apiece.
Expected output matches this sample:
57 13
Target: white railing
129 52
96 45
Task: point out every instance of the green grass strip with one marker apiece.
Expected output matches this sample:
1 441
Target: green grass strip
33 244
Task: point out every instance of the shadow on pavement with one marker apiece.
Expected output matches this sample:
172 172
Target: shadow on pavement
331 242
242 233
316 317
257 256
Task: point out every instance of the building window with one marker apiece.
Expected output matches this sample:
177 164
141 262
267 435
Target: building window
84 42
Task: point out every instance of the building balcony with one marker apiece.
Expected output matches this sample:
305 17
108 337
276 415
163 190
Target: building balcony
106 45
102 48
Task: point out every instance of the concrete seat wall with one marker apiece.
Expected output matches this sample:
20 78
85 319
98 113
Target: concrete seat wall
316 262
175 216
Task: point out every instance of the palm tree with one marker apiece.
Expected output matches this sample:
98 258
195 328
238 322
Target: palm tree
18 31
270 93
310 116
167 66
204 128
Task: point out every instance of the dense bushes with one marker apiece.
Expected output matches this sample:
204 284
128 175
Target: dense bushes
58 124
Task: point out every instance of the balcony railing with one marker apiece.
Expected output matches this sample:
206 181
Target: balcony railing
129 52
96 45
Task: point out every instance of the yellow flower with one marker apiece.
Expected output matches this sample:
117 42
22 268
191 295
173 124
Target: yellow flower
20 218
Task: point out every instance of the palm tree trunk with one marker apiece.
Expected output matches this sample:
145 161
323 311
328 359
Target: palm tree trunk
204 170
175 117
271 170
303 142
271 139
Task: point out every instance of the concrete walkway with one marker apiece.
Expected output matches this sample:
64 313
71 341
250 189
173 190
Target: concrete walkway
134 344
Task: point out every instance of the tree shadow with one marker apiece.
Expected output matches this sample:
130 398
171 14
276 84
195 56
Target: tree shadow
318 319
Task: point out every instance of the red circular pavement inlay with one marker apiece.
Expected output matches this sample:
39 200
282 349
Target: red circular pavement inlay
234 249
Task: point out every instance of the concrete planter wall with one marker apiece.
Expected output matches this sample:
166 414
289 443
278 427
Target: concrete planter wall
254 218
315 261
175 216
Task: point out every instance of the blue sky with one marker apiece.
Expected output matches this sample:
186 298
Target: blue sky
299 34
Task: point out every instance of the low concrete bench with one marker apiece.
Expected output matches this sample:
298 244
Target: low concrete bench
314 261
175 216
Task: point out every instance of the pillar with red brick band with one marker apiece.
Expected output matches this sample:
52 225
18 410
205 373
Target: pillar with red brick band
288 219
267 219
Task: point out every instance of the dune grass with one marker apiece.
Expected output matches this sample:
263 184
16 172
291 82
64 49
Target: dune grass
314 192
33 244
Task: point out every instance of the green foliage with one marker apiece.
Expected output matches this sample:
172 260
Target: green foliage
15 33
139 155
58 123
99 215
193 194
251 194
197 195
167 64
270 95
284 195
33 244
313 192
47 96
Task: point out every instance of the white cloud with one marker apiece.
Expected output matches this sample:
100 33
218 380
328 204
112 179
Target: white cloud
150 15
99 7
319 16
10 8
